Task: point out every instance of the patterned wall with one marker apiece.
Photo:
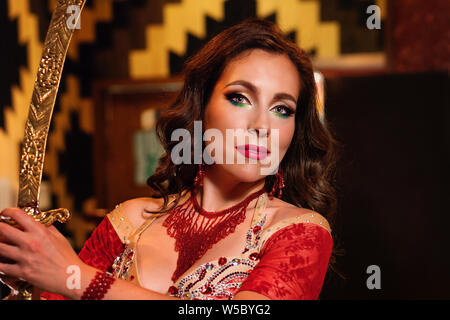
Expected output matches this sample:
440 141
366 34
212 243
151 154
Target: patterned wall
137 39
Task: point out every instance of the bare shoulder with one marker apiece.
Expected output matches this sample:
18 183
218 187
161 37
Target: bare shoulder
284 211
138 210
135 209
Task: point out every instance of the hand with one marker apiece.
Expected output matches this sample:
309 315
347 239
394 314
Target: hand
11 282
36 254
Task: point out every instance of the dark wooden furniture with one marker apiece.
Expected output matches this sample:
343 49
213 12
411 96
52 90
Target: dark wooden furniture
118 106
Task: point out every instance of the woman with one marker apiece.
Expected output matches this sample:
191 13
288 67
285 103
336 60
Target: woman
212 231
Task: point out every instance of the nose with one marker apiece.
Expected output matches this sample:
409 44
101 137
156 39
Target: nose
260 124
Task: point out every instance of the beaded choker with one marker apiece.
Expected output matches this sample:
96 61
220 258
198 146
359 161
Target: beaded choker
196 230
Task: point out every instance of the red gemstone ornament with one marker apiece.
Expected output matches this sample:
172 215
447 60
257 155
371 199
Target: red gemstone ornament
254 256
206 289
256 229
278 184
173 290
222 261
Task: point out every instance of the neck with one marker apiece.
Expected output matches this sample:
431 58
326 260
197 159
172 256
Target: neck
221 190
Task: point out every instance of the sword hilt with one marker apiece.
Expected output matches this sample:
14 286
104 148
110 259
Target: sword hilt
46 218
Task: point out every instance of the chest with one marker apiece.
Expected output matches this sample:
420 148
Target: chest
156 256
154 259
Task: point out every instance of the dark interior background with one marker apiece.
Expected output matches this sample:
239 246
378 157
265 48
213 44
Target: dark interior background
393 179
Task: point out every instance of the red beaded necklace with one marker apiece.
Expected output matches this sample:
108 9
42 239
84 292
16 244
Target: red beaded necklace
196 230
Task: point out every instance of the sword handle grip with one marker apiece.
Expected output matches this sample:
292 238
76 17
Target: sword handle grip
25 290
47 218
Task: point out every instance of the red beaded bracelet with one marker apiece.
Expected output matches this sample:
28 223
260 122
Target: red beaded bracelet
99 285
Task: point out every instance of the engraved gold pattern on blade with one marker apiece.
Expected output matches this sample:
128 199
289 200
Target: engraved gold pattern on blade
41 109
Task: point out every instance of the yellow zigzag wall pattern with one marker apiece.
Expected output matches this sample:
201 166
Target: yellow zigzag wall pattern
304 18
20 96
179 18
189 16
15 117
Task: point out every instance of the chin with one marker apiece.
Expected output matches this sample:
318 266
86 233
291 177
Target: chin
244 172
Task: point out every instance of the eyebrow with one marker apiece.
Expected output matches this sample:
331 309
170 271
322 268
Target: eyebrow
254 89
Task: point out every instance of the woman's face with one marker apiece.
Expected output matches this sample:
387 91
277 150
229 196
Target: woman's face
257 93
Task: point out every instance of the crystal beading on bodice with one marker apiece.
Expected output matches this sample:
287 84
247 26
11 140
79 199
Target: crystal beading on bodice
212 280
216 279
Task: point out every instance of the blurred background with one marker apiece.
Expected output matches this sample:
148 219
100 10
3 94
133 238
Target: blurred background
385 79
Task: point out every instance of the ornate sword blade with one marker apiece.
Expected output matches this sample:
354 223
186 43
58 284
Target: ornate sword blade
61 29
62 25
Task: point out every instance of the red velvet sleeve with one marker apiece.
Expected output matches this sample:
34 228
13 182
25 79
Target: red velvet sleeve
293 263
99 251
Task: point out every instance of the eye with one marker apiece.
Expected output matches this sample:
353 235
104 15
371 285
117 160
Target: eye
284 111
236 99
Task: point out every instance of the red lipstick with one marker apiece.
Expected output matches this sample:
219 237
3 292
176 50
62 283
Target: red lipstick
253 151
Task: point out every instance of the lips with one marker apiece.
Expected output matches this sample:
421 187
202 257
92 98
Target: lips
253 151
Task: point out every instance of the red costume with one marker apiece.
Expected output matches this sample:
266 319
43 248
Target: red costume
287 261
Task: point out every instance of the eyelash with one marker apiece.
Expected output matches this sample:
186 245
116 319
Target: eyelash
288 111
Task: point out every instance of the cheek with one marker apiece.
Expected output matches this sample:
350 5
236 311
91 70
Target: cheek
286 136
221 116
217 116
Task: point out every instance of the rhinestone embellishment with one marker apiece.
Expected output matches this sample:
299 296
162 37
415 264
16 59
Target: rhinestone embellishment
173 290
254 256
222 261
221 279
122 263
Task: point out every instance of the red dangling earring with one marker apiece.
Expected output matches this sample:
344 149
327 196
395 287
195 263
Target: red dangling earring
278 184
198 181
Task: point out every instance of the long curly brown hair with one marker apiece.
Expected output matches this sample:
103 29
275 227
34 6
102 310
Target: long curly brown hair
309 163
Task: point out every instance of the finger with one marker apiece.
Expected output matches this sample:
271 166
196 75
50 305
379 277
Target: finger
55 232
10 252
10 270
22 219
12 235
4 238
